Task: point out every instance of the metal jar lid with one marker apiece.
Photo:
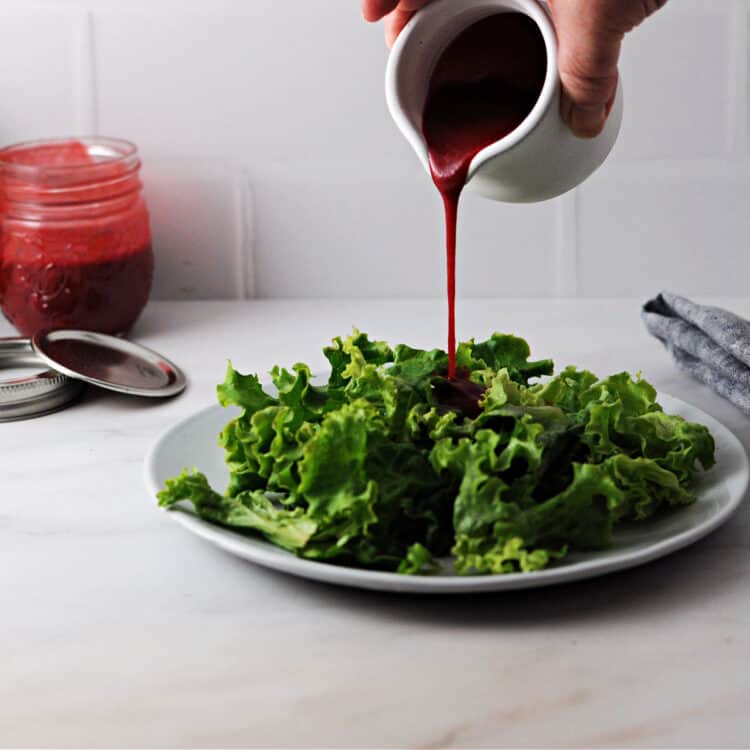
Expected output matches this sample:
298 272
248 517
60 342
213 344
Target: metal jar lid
34 395
76 358
110 362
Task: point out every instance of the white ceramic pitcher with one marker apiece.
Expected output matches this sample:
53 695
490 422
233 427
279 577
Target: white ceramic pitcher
541 158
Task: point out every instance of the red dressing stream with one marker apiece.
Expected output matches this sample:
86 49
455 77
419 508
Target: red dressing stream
483 87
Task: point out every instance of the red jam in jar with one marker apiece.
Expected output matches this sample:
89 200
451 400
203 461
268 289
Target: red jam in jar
75 242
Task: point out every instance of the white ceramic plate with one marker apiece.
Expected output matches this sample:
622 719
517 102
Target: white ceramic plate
193 443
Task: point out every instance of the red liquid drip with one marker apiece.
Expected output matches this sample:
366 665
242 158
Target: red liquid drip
483 87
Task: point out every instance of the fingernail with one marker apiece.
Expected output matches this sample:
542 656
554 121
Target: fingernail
588 122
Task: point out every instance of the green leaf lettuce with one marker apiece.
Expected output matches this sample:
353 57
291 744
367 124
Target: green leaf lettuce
391 465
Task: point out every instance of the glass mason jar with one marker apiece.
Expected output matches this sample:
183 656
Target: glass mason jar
75 242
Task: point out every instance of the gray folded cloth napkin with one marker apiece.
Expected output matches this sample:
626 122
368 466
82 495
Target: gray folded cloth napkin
711 344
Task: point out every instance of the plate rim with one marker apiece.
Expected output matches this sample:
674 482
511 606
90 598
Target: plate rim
262 552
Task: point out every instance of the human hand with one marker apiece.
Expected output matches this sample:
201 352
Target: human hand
396 14
590 34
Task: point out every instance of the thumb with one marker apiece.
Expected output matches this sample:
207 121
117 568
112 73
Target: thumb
590 37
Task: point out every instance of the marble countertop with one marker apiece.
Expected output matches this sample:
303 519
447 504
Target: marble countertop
118 628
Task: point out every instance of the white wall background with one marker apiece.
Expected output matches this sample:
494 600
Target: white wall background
273 169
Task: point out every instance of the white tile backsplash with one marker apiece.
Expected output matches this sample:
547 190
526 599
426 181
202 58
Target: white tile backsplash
370 236
40 84
200 221
681 228
262 82
273 168
504 250
677 78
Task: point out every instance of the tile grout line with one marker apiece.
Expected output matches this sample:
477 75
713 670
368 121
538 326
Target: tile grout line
738 80
245 211
251 235
240 278
86 79
566 281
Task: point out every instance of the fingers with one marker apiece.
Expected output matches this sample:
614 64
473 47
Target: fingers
590 33
394 24
374 10
413 5
590 40
397 14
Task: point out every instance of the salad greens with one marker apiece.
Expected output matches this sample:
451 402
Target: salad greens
391 465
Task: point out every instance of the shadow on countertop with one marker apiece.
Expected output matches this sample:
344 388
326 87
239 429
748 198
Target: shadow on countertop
693 576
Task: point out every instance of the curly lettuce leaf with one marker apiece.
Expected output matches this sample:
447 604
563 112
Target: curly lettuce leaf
243 390
391 464
621 416
290 529
418 560
503 352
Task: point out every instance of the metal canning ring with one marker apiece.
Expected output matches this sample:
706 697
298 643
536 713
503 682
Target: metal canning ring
33 395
